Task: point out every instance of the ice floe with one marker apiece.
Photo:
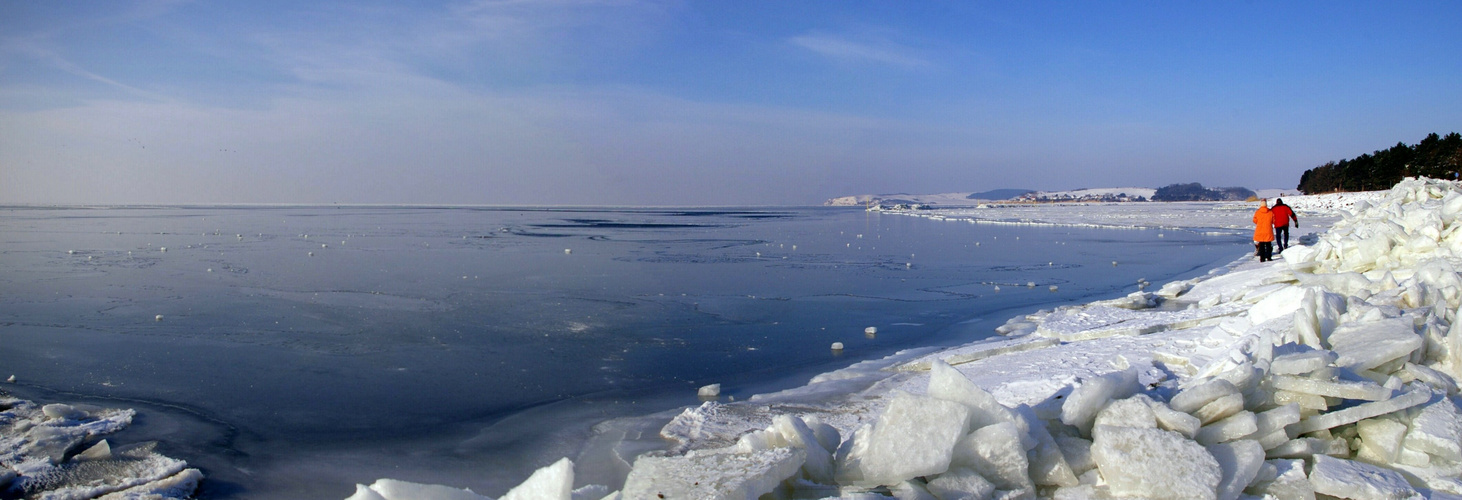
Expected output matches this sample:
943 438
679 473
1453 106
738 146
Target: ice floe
55 451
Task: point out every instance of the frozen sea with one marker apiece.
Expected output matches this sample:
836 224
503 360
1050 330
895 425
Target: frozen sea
291 352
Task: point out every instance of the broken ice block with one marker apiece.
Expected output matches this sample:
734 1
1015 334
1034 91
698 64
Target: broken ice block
1310 402
961 483
1342 478
1438 380
949 384
1290 482
1240 461
1345 389
1176 421
391 489
1381 438
1195 397
717 474
914 437
996 453
1437 430
709 391
1090 397
1236 426
1299 363
1362 346
1135 411
1155 463
1220 409
553 482
1361 412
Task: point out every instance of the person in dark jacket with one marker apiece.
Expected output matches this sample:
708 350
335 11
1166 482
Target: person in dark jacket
1282 216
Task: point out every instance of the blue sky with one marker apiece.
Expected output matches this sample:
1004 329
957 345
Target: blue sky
700 102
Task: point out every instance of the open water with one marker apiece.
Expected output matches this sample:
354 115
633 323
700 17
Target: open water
291 352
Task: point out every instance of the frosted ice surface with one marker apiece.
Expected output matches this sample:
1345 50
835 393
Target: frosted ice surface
996 453
1240 461
1437 430
914 437
709 391
961 484
1135 411
1368 345
712 474
553 482
1436 379
1342 478
1090 397
1155 463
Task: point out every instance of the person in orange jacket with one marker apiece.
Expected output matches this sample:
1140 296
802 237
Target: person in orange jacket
1264 231
1282 216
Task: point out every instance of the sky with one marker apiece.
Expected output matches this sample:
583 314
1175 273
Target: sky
700 102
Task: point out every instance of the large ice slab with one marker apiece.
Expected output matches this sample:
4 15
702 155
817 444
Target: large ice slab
914 437
1343 478
713 474
1155 463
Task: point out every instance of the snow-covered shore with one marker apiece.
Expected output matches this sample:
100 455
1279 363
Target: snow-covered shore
1330 372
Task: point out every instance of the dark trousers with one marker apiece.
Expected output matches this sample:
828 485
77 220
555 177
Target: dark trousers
1266 250
1281 236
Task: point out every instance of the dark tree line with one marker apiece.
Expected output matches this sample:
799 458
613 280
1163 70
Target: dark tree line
1435 156
1196 192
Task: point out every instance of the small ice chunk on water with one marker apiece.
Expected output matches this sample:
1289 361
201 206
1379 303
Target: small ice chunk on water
157 318
871 330
709 391
1030 284
553 482
1053 288
1155 463
164 249
100 451
567 251
1343 478
391 489
837 346
11 379
58 410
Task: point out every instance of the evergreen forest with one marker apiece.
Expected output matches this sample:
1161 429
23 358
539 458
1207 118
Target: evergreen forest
1435 156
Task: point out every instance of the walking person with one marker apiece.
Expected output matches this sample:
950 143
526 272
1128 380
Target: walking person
1282 216
1264 231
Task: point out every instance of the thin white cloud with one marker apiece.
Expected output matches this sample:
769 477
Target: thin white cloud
849 50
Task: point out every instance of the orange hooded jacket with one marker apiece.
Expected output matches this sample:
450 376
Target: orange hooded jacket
1263 224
